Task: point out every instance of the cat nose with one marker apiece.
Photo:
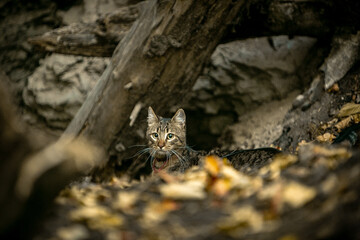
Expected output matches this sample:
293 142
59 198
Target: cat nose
161 144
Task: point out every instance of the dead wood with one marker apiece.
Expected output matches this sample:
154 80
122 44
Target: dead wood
260 18
89 39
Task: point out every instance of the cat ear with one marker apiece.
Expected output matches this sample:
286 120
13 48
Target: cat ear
179 117
152 118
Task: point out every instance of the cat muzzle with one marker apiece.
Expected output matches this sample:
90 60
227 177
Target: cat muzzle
161 154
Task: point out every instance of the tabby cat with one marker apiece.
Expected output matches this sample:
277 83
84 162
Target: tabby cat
167 140
168 150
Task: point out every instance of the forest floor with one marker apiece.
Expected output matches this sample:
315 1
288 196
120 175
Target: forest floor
311 192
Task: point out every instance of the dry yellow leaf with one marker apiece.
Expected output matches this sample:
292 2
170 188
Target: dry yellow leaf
327 137
334 88
168 178
280 162
186 190
334 153
270 191
155 212
349 109
169 205
242 218
89 196
356 118
329 184
213 165
126 200
97 217
332 122
344 123
221 187
297 195
196 174
73 232
236 178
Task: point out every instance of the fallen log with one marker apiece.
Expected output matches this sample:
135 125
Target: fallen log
313 18
89 39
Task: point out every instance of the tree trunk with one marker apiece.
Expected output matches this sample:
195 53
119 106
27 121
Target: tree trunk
155 65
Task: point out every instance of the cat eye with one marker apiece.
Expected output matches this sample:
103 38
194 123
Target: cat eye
154 136
170 136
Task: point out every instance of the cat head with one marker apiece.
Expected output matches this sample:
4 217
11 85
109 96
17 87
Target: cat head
166 135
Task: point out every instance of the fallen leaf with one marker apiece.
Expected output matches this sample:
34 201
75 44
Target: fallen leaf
280 162
297 195
333 153
195 173
236 178
334 88
125 201
73 232
185 190
221 187
356 118
344 123
170 205
301 172
270 191
156 212
329 184
240 219
349 109
300 144
168 178
213 165
97 217
327 137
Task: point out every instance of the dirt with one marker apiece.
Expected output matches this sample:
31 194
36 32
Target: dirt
260 127
304 124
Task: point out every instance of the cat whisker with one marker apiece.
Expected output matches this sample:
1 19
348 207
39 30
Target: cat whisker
187 148
137 146
229 154
147 159
140 153
168 156
181 159
152 156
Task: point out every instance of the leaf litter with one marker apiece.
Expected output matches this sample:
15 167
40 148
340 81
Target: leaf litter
211 200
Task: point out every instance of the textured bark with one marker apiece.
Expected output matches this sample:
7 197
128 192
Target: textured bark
155 64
